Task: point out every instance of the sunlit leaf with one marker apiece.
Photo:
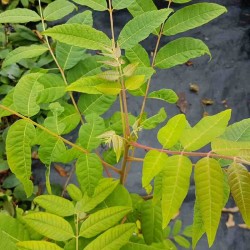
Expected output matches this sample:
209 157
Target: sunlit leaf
99 5
167 95
114 238
210 194
49 225
155 120
102 220
206 130
37 245
55 205
239 181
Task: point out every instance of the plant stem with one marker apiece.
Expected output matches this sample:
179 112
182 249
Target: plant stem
195 154
58 137
58 65
77 230
68 179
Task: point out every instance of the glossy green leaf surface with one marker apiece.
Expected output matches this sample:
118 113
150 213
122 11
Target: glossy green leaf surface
179 51
89 132
37 245
239 181
151 222
191 17
175 185
209 189
99 5
140 27
167 95
80 35
169 135
88 172
55 205
24 52
102 220
114 238
206 130
154 162
57 10
49 225
18 149
19 15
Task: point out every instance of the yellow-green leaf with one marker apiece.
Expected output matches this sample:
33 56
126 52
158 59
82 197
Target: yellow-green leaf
153 163
55 205
37 245
175 184
118 4
18 149
88 172
49 225
113 239
134 82
239 181
167 95
206 130
99 5
169 135
102 220
209 190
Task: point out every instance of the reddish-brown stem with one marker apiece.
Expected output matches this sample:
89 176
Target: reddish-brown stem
195 154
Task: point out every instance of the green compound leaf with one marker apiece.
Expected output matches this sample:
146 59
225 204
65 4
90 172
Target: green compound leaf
167 95
37 245
89 132
99 5
74 192
12 228
94 85
24 52
80 35
175 184
52 150
68 56
83 18
151 222
140 27
198 228
209 190
53 88
206 130
55 205
114 238
88 172
26 93
98 104
49 225
154 162
180 51
19 15
140 6
18 149
155 120
103 190
191 17
57 10
135 82
102 220
169 135
239 181
118 4
139 55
